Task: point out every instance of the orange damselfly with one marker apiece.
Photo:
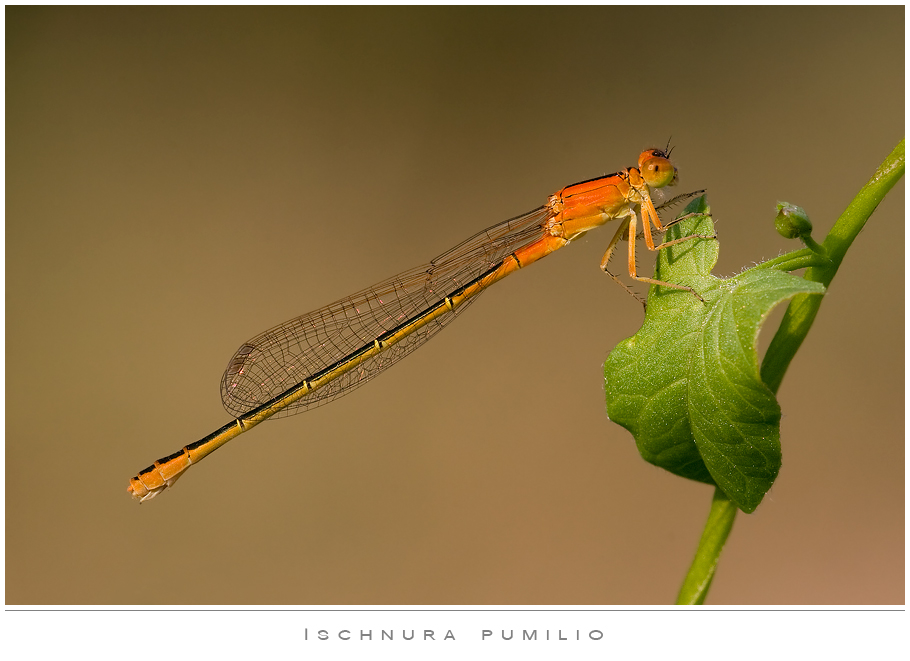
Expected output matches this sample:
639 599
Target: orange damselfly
320 356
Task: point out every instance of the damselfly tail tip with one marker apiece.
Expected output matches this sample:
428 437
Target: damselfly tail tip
152 481
138 490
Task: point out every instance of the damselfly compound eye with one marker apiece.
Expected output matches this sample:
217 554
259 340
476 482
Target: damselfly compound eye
656 169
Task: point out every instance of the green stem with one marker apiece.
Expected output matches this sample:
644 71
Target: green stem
802 309
701 573
800 314
793 261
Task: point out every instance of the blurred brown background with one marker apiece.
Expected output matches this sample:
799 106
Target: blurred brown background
178 180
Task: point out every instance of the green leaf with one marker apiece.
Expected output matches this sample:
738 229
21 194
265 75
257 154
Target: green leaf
687 385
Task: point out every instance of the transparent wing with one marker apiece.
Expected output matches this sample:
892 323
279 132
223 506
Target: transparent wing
273 361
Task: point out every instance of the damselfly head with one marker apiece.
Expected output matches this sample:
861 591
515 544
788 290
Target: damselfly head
656 168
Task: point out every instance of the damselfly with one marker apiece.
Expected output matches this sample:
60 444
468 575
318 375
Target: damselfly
327 353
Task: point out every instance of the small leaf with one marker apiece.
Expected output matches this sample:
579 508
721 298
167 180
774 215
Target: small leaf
687 384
